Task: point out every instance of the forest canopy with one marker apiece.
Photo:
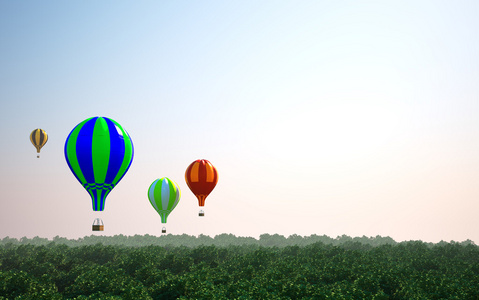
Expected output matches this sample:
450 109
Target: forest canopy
229 267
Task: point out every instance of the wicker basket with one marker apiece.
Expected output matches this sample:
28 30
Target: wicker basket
97 227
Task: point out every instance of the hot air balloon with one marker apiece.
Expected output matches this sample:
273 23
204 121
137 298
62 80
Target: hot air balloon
99 152
201 177
164 195
39 138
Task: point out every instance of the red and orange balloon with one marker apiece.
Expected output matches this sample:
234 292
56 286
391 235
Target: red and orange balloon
201 177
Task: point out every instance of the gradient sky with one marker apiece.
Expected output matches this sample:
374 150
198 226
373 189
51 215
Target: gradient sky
322 117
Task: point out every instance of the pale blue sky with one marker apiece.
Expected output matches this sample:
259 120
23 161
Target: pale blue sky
324 117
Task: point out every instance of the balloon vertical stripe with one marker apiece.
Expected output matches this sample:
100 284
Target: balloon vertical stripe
194 173
210 173
84 150
151 195
164 193
116 158
100 145
41 137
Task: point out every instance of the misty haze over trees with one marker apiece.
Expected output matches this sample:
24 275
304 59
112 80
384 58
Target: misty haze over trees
221 240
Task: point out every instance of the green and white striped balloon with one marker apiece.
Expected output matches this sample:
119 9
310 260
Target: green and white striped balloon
164 195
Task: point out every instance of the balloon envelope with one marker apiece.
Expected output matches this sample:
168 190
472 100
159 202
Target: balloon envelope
201 177
164 195
39 138
99 152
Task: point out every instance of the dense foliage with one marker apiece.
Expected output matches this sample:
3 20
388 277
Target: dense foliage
351 270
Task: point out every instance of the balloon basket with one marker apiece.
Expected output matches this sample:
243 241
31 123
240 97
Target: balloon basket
163 230
201 213
97 228
97 225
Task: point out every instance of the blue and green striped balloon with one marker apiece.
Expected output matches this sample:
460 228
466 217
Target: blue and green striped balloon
99 152
164 195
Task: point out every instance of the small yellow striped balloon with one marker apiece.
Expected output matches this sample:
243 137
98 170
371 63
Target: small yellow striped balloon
39 138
